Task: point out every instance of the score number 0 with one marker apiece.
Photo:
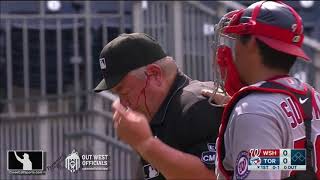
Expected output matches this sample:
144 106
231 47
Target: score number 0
285 154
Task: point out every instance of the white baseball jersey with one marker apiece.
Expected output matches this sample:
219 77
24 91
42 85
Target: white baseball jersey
265 120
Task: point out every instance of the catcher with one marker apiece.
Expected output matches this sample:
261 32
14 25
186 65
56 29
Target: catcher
255 49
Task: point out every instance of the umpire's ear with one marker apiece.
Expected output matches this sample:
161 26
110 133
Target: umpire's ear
154 72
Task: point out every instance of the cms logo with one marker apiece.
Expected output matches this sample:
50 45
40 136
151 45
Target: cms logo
208 157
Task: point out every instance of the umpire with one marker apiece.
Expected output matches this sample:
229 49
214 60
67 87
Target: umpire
161 112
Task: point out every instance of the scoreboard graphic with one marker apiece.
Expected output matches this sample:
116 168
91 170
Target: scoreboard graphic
277 159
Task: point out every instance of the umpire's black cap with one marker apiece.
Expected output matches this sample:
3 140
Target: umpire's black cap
124 54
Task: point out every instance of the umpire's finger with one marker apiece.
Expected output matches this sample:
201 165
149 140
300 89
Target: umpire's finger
116 119
118 107
126 113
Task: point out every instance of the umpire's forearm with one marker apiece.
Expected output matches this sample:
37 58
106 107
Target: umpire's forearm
173 164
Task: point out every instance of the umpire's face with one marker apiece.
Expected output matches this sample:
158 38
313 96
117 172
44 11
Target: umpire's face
141 89
129 91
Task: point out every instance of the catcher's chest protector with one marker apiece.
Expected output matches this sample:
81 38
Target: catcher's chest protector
282 86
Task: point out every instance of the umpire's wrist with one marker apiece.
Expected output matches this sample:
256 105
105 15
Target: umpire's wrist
145 146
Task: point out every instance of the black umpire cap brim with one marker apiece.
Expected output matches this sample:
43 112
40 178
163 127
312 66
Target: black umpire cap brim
112 82
101 86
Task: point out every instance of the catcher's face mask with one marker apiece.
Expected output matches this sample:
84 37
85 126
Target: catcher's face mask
226 75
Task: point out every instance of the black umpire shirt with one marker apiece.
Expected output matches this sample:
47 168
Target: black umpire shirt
186 122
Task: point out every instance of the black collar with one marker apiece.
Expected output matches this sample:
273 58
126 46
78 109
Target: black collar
179 83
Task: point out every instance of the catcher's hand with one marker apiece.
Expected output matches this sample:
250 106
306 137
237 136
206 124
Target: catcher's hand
218 98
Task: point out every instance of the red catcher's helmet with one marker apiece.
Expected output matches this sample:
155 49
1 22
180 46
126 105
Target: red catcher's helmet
273 22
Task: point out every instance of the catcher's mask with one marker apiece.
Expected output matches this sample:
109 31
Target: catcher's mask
274 23
226 76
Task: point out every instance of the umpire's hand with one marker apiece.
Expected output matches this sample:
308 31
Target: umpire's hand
132 127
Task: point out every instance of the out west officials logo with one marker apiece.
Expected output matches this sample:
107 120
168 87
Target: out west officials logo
75 162
25 162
